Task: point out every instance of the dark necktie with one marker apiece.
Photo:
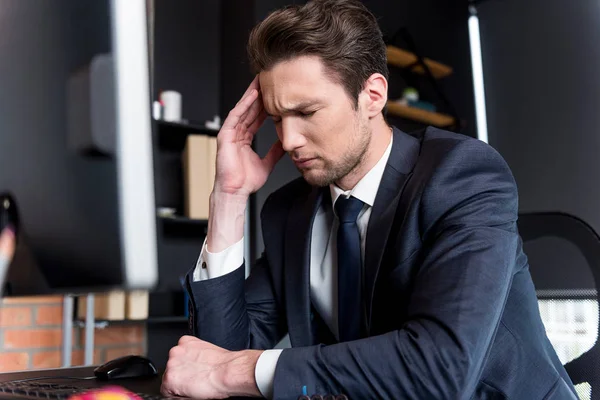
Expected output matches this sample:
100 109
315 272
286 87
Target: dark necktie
349 268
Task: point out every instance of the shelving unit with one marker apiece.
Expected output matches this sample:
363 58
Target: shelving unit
433 70
172 136
179 239
405 59
417 114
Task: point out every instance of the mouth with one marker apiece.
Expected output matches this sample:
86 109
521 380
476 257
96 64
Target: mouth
303 162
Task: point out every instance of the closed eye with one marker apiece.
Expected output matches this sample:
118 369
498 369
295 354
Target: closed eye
304 114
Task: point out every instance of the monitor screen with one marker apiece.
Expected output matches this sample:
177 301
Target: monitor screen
76 145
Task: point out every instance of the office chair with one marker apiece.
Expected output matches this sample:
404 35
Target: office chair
532 226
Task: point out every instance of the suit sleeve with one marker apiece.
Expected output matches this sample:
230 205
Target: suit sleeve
237 313
468 228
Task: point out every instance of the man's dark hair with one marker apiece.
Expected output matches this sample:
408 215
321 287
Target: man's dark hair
343 33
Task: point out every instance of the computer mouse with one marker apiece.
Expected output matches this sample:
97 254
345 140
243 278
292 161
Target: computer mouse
126 367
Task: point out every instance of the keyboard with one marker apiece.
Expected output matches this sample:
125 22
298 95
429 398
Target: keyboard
36 390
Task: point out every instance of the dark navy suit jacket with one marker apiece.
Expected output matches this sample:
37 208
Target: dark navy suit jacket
451 310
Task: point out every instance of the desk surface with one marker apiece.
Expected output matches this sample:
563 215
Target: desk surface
137 385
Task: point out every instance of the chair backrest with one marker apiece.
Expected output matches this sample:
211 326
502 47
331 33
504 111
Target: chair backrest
577 299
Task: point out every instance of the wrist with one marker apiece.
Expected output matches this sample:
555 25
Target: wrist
229 199
239 375
226 220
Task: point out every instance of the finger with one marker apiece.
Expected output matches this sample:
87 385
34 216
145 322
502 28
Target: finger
254 110
273 156
175 353
187 338
258 121
254 85
165 383
164 389
239 110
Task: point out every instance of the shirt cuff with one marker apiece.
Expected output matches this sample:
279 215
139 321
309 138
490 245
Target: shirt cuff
213 265
264 373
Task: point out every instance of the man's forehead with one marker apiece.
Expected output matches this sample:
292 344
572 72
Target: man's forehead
298 84
304 70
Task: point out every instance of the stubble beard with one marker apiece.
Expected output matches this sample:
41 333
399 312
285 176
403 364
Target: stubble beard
331 172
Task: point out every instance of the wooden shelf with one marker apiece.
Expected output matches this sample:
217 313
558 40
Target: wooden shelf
403 59
420 115
172 136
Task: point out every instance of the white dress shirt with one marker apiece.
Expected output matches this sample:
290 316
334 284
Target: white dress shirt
323 262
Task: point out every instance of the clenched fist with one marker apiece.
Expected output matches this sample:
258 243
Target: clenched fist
201 370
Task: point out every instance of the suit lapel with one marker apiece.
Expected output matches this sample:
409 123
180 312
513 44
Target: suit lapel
297 267
402 158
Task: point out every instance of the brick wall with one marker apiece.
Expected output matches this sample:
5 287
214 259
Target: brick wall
31 336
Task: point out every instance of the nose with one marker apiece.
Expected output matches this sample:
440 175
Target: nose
290 135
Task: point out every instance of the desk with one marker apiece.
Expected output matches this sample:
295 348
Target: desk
137 385
141 385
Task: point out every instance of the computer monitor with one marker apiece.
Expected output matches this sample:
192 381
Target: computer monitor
75 145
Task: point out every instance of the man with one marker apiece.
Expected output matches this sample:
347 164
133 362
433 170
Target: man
394 263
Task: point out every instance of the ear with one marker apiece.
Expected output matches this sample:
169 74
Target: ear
374 95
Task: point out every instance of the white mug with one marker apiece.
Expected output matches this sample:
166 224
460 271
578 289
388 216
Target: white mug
171 101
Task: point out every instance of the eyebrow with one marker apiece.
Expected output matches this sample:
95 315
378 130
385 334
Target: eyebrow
298 107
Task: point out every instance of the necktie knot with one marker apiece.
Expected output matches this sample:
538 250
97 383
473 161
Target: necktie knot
347 209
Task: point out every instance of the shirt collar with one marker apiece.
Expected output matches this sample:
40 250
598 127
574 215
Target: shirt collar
366 189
